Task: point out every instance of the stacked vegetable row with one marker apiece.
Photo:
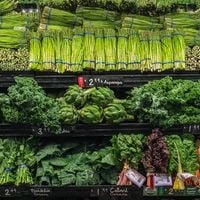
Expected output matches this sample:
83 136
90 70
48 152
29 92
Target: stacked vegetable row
91 164
122 5
106 50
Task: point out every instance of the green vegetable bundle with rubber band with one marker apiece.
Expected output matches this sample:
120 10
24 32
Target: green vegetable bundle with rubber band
167 51
139 22
77 50
56 17
100 24
96 14
48 52
66 48
35 52
7 6
89 49
58 49
100 57
12 38
110 49
133 51
155 47
122 49
179 50
145 58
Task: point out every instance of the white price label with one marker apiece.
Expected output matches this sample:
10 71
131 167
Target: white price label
135 177
162 180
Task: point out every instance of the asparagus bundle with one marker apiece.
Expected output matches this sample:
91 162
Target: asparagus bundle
100 50
96 14
139 22
100 24
14 60
7 6
181 20
179 51
155 51
18 21
48 52
133 51
35 52
122 48
56 17
12 38
66 48
58 58
110 49
77 50
144 51
89 48
167 51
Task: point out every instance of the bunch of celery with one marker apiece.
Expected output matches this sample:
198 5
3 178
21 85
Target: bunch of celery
133 51
77 50
179 50
48 51
100 58
35 52
89 48
110 49
155 51
122 49
66 49
167 51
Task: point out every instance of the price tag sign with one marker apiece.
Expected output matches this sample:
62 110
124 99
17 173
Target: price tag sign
96 80
193 129
115 191
162 180
8 191
40 131
41 192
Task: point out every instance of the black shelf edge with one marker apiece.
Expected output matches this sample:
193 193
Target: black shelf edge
91 130
71 191
126 79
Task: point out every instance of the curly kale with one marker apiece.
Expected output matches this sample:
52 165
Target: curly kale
34 106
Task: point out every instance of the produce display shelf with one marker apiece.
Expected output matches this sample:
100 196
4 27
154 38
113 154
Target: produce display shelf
119 79
88 130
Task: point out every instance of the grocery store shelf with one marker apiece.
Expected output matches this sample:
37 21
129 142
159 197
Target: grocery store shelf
118 79
89 130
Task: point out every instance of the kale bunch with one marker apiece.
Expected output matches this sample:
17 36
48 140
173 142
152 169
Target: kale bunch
30 104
